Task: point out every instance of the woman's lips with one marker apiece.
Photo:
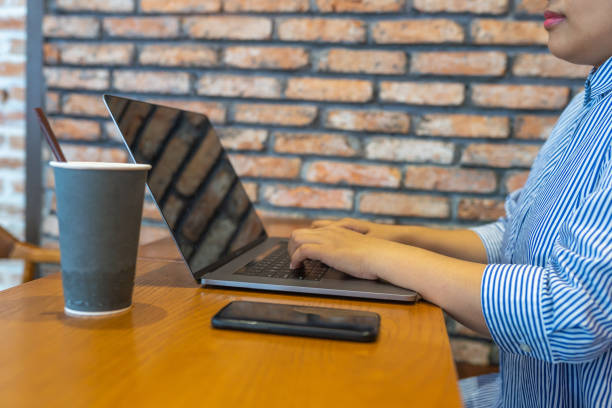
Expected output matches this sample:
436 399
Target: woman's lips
551 19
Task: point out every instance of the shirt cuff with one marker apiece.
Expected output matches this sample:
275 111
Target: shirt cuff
511 297
492 236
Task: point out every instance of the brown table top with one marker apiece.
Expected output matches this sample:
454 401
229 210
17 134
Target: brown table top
165 353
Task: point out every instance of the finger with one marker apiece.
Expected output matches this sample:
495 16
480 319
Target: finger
353 225
299 237
306 251
321 223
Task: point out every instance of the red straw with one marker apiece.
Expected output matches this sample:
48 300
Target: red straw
49 135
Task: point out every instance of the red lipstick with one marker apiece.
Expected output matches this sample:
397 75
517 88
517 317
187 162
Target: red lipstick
551 19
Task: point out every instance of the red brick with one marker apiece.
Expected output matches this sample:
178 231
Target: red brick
19 187
368 120
238 86
290 115
110 6
309 197
70 27
405 150
51 53
252 190
548 66
495 155
531 6
363 61
353 174
520 96
72 78
266 6
266 57
404 205
478 209
111 132
458 125
17 143
228 27
96 54
215 111
52 102
141 27
326 144
462 6
76 129
431 31
12 69
243 139
508 32
533 127
450 179
322 30
360 6
12 23
16 117
148 81
266 167
95 153
180 6
87 105
491 63
178 55
16 93
326 89
515 180
423 93
11 163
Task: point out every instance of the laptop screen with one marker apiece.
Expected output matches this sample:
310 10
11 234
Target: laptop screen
192 181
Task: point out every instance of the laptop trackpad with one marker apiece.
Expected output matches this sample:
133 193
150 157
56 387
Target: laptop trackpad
337 275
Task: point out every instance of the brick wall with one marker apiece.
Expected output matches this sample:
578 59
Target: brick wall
426 111
12 128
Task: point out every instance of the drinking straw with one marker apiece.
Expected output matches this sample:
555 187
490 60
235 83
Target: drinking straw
49 135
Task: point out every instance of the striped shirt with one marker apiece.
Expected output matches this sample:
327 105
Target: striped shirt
547 289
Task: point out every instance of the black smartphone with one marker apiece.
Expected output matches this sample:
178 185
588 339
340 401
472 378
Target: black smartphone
296 320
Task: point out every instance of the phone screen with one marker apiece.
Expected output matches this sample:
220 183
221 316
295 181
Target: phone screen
298 320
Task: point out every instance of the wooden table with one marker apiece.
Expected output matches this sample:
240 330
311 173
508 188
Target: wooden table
165 353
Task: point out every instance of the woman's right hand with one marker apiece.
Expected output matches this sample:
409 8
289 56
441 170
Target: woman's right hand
372 229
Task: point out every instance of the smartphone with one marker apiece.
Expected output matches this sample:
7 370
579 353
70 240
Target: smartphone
296 320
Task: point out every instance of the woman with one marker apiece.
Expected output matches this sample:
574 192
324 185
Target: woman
539 280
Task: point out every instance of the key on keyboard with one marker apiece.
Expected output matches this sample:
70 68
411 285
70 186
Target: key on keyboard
276 265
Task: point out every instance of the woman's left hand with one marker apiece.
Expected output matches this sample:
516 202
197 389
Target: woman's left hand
348 251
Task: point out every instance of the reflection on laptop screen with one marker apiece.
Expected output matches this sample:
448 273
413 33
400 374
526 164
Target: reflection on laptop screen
192 181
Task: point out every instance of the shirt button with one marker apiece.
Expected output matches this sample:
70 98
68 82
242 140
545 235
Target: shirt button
525 348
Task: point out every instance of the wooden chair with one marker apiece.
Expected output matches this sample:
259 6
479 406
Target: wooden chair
12 248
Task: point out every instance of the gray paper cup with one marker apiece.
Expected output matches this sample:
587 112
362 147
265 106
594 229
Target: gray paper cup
99 207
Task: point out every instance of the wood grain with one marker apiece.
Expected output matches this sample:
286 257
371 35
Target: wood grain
165 353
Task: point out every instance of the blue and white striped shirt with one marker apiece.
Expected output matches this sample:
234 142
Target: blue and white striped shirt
547 291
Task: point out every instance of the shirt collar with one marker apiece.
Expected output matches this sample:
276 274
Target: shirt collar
598 82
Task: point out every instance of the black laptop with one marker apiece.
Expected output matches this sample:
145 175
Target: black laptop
209 214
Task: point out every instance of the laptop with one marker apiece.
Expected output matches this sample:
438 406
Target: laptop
209 214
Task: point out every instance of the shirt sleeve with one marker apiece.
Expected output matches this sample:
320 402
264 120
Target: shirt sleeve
561 312
492 235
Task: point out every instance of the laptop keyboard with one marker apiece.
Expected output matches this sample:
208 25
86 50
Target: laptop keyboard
276 265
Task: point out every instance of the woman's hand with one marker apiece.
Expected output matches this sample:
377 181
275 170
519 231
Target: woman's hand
341 248
371 229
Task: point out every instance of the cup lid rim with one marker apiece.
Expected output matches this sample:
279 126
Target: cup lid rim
82 165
